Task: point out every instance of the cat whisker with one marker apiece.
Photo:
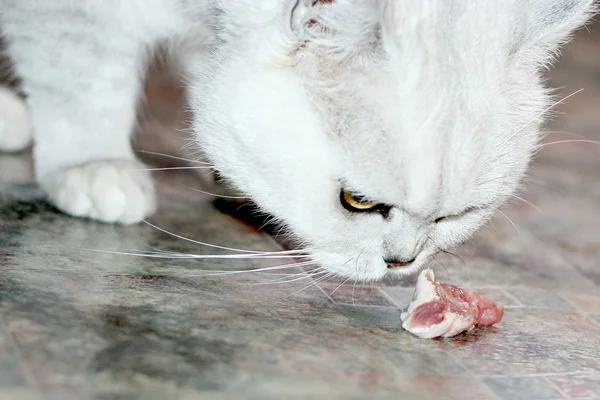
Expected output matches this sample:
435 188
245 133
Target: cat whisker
268 254
576 200
283 281
170 168
268 221
441 264
437 263
315 271
212 194
294 278
546 185
536 118
183 256
568 141
465 265
563 133
316 282
451 254
512 223
217 246
216 273
248 271
528 202
355 276
340 285
302 270
282 276
172 157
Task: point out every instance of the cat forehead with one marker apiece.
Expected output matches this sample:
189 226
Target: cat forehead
454 168
441 146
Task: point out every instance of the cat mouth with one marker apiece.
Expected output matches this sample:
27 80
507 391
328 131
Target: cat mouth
399 264
409 270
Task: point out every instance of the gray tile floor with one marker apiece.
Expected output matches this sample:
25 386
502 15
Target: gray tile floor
80 324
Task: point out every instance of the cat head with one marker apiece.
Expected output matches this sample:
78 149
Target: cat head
380 132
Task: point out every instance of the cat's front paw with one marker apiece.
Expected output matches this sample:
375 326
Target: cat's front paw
15 126
116 191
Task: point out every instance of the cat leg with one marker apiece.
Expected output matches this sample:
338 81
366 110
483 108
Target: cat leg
82 78
15 128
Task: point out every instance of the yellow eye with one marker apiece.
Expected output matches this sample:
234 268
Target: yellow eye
355 202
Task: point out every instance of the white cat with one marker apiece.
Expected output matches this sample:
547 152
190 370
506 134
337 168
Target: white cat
379 131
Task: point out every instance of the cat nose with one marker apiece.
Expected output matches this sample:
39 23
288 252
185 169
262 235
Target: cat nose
399 263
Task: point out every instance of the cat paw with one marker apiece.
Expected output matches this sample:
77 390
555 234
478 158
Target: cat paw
15 126
115 191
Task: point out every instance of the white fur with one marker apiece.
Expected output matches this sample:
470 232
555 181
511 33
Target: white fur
430 106
108 191
15 129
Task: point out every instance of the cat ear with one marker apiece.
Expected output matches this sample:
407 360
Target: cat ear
551 22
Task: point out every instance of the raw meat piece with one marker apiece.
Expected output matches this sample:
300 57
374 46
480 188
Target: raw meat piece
439 309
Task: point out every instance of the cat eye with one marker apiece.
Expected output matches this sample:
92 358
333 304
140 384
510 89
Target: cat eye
358 203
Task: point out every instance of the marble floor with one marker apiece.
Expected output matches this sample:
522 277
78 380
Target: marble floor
78 321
